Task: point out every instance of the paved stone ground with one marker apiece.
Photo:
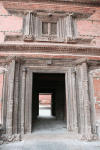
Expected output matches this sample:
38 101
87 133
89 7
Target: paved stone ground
51 136
52 145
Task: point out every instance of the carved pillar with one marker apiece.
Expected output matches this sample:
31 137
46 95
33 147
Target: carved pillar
75 124
30 101
11 74
77 95
81 99
69 26
84 123
29 26
23 101
69 99
2 109
5 97
92 103
16 97
86 100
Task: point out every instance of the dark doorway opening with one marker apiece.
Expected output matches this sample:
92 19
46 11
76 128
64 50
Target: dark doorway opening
54 84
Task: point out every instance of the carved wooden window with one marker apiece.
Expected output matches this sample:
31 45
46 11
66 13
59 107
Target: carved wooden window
49 29
59 29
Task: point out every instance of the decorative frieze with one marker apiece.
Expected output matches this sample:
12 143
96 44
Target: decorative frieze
54 48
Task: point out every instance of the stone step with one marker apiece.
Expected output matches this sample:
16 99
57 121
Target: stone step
64 136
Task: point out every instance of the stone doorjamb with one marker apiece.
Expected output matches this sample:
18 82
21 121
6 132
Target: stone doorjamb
92 101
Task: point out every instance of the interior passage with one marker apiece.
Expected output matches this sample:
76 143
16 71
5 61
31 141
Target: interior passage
48 103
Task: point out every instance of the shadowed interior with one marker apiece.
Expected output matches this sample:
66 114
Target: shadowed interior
49 83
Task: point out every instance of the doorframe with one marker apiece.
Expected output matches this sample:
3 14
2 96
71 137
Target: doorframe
31 72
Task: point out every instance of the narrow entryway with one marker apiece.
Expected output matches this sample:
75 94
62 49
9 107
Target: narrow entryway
48 104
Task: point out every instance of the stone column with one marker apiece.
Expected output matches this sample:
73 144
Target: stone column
16 97
92 103
23 100
11 74
2 109
69 101
5 98
30 101
81 99
75 123
86 99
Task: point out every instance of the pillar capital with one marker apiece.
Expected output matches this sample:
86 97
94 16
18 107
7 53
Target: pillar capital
81 61
24 69
16 58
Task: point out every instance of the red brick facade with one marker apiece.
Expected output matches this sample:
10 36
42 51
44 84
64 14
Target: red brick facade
87 27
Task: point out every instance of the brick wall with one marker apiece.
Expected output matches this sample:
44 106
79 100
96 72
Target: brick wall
45 99
87 27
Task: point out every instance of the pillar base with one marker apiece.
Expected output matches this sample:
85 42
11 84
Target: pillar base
11 138
76 130
88 137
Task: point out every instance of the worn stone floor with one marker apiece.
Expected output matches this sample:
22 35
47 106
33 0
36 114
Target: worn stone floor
50 134
52 145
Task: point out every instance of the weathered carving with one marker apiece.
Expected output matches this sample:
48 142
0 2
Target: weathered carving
29 38
80 61
48 62
88 137
11 138
69 129
16 58
13 38
79 40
